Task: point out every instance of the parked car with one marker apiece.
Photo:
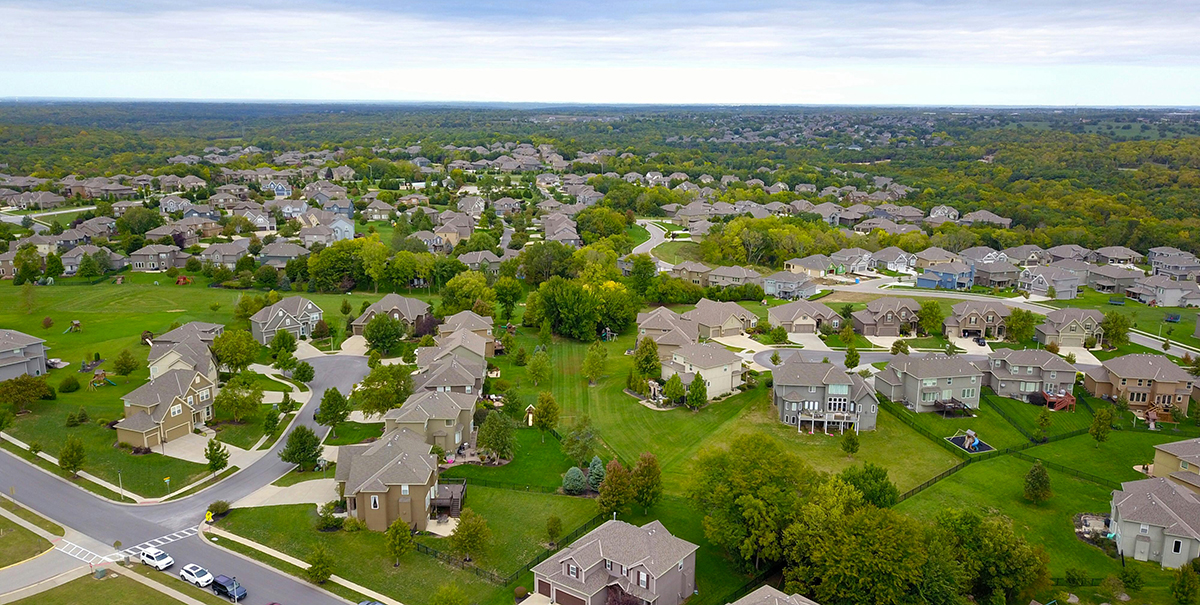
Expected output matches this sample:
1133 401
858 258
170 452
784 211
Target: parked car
157 559
369 603
229 588
194 574
980 341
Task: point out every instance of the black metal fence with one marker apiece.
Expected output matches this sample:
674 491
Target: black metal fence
901 414
992 405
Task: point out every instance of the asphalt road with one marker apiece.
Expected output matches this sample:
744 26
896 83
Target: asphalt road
658 235
107 522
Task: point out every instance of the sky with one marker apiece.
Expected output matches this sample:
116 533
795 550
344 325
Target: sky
860 52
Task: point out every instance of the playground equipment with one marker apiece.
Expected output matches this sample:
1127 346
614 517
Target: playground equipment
74 327
183 280
972 441
99 378
969 441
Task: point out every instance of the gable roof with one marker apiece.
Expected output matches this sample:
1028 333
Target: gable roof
769 595
431 405
400 457
650 545
936 365
705 355
1159 502
409 308
800 308
1033 357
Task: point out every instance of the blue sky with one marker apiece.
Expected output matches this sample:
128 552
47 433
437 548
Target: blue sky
939 52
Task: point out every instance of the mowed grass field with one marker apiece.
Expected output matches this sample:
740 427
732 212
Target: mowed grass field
113 590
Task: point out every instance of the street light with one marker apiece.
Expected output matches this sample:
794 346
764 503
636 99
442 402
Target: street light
122 484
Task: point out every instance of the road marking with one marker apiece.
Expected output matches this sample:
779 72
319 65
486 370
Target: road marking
155 543
79 552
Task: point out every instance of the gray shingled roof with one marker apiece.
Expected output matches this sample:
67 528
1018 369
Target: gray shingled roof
769 595
707 355
409 308
934 366
1161 503
650 545
1188 449
426 405
400 457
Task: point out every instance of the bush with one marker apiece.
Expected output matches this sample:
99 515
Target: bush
1131 577
574 482
1090 343
218 508
82 416
35 447
72 420
520 593
353 524
1078 577
328 521
47 322
1052 347
70 384
172 273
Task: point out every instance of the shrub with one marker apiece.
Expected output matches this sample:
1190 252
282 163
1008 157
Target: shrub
82 416
35 447
1052 347
520 593
70 384
328 521
47 322
440 452
172 273
218 508
353 524
72 420
1090 343
1131 577
1078 577
124 446
574 482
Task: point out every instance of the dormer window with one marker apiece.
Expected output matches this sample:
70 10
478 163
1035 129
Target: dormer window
573 571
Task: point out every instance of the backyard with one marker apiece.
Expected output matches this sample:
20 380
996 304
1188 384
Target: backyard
1146 318
537 463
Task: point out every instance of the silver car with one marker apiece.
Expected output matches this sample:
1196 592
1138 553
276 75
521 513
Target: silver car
194 574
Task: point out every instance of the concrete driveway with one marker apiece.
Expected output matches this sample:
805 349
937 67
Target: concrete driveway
1083 357
305 350
741 341
355 345
970 347
884 342
811 342
315 491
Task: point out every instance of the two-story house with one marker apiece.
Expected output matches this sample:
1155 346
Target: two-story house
1070 327
472 322
278 253
1178 461
971 319
1018 374
803 317
407 311
852 260
1147 382
788 285
893 259
822 396
185 348
667 329
157 257
170 406
953 275
726 276
294 314
1069 252
617 561
718 367
931 383
1117 255
1052 282
1112 279
887 317
934 256
23 354
692 271
72 258
1027 256
451 374
1156 520
483 261
395 477
445 419
1162 291
716 319
226 254
813 265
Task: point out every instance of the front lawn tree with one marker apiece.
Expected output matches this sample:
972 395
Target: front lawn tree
1020 325
852 357
594 362
235 349
217 456
72 456
471 537
385 388
497 437
1116 328
545 415
930 317
1186 586
616 491
22 391
283 342
399 540
320 565
303 448
1037 484
775 359
646 480
383 333
239 398
303 371
334 410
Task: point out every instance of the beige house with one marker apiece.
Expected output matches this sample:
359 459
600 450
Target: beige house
185 348
718 367
617 561
692 271
401 308
294 314
445 419
471 322
168 407
802 316
934 256
1070 327
464 344
1148 382
668 329
887 317
969 319
1179 461
714 319
393 478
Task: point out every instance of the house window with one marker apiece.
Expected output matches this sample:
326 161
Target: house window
176 410
468 388
608 565
929 382
1144 529
403 490
643 579
572 571
973 378
375 502
204 395
189 400
812 389
949 381
1029 370
968 393
1177 546
1183 464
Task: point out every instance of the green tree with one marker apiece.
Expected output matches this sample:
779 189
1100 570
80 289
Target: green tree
594 362
383 332
545 415
497 437
217 456
873 483
646 481
303 448
320 565
1037 484
573 482
850 443
1185 587
54 265
448 594
508 293
697 393
539 368
595 475
554 529
642 274
270 421
646 363
235 349
399 540
303 372
616 491
471 536
579 444
674 391
125 364
465 291
385 388
88 267
1116 328
900 347
930 317
72 456
241 397
852 357
1101 425
545 336
22 391
1020 325
995 556
283 342
346 308
334 410
1043 424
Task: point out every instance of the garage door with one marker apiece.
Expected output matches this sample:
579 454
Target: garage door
543 588
567 598
177 431
805 328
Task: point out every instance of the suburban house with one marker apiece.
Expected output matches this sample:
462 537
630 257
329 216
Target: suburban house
484 261
187 348
1179 461
1174 263
445 419
887 317
769 595
852 260
1069 252
813 265
157 257
931 383
1162 291
1117 255
1040 281
999 274
715 319
617 561
726 276
1147 382
406 310
953 275
1070 327
378 211
1112 279
933 256
788 285
472 322
985 217
692 271
803 317
970 319
277 254
1019 373
1027 256
667 329
294 314
822 396
718 367
73 257
893 259
451 374
1156 520
226 254
395 477
170 406
464 344
23 354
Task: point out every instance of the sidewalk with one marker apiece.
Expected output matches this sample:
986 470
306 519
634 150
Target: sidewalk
86 475
206 530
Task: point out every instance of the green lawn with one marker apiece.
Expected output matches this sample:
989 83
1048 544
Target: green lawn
930 343
537 463
1114 459
677 252
1025 415
669 226
242 434
1126 349
518 523
835 342
349 433
1146 318
267 383
112 590
362 557
170 578
987 424
997 485
31 516
195 487
18 543
295 476
637 234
